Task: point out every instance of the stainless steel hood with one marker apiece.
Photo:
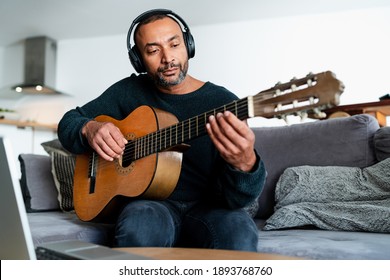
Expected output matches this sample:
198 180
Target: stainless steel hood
40 55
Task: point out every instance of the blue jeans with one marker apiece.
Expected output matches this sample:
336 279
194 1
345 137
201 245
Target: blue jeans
145 223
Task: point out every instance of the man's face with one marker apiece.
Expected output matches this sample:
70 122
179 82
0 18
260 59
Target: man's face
163 51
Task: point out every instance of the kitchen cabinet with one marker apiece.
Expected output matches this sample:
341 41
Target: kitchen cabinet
26 137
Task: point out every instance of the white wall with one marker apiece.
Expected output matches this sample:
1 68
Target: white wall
86 67
251 56
11 73
2 51
12 64
247 57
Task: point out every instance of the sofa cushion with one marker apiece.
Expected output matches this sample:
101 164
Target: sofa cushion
38 188
333 198
382 143
62 166
58 226
317 244
341 141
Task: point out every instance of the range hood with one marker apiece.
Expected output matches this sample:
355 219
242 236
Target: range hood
39 66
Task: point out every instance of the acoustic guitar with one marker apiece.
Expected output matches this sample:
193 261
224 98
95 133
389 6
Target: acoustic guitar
151 163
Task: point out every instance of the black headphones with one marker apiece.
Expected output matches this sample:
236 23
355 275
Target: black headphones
134 55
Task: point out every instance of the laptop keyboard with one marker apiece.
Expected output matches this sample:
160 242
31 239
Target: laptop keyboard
46 254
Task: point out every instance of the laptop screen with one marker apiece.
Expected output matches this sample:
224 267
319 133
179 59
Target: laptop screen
15 236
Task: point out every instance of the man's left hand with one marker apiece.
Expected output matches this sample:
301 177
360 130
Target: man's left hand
234 140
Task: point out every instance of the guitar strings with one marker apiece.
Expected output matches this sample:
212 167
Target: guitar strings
148 144
181 132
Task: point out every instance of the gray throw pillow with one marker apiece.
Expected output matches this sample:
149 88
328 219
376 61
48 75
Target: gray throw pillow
38 188
340 141
333 198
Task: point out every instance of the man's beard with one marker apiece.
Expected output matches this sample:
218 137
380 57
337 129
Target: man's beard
161 81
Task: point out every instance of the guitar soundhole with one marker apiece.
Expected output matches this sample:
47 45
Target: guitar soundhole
126 163
127 159
123 167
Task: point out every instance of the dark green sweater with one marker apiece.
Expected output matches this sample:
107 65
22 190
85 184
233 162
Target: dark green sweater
204 176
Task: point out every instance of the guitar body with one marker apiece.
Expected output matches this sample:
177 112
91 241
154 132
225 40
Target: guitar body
153 177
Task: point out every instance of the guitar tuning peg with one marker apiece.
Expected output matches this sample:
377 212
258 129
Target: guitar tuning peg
293 87
278 84
318 114
293 79
283 117
310 74
309 80
303 115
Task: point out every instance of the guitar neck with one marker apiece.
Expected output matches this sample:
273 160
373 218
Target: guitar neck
184 131
310 94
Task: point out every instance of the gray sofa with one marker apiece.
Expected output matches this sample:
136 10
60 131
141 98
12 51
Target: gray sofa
340 148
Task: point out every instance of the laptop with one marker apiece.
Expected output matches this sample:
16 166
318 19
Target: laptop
15 236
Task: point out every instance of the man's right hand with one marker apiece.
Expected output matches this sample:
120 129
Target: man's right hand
105 138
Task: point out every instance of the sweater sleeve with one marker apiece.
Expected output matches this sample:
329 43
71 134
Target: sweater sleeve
69 131
238 189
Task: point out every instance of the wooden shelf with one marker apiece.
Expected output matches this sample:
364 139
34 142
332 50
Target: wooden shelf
380 110
23 124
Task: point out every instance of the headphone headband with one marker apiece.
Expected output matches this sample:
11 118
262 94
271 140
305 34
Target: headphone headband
135 57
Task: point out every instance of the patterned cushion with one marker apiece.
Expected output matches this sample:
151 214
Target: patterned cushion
62 167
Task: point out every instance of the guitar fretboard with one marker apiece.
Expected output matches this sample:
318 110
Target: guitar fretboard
181 132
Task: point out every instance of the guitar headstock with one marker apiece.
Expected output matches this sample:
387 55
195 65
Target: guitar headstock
308 95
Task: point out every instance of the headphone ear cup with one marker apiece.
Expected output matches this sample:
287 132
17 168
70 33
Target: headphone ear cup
136 60
190 44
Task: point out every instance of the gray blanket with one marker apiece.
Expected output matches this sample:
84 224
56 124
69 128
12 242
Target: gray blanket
333 198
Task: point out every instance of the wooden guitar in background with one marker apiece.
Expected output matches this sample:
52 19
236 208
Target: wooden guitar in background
151 164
